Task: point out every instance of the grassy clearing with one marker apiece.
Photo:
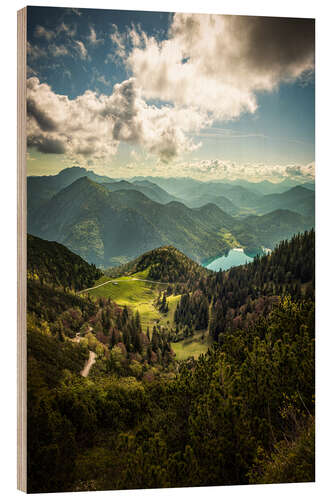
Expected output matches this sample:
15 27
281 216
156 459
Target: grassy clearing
141 296
193 346
166 320
125 290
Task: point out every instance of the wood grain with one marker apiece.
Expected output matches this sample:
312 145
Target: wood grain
21 252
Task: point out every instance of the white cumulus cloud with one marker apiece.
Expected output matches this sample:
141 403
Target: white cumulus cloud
218 63
92 125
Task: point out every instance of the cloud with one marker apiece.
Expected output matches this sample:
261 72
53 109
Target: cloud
210 170
47 145
41 32
119 42
301 171
58 50
92 126
70 31
217 169
93 37
102 79
68 47
218 63
52 50
210 68
34 52
160 130
43 120
76 11
81 49
223 133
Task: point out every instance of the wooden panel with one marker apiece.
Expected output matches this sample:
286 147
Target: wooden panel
21 252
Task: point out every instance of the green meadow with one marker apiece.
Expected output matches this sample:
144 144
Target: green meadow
138 295
141 296
192 346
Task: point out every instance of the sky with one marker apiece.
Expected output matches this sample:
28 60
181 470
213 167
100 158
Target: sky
128 93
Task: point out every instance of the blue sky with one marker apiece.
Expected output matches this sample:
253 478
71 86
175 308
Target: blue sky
137 93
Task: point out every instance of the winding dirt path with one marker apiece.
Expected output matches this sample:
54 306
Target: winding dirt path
89 363
150 281
117 282
97 286
92 355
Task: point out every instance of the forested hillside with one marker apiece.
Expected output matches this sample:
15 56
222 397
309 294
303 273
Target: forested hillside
62 327
242 294
50 262
243 412
165 264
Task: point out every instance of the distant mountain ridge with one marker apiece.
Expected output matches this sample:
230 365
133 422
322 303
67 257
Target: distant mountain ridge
237 197
298 199
180 185
151 190
241 197
110 228
41 188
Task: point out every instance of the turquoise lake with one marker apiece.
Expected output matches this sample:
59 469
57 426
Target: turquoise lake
235 257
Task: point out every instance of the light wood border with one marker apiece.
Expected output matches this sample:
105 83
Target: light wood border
21 252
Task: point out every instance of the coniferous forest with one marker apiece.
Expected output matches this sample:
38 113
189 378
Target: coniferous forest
241 413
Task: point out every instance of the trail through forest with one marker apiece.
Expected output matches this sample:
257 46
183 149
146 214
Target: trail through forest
89 363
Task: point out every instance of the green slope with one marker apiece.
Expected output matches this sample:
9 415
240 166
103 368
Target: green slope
50 262
139 284
131 292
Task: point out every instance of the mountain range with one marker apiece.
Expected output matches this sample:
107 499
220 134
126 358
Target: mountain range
245 198
109 227
238 197
180 186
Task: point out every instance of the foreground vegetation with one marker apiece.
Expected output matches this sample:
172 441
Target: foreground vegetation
242 412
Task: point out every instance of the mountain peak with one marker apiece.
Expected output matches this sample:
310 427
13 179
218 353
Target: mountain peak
299 189
166 264
72 170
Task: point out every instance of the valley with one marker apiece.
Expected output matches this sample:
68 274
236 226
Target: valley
111 223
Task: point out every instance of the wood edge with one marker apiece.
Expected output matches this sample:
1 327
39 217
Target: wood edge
21 252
